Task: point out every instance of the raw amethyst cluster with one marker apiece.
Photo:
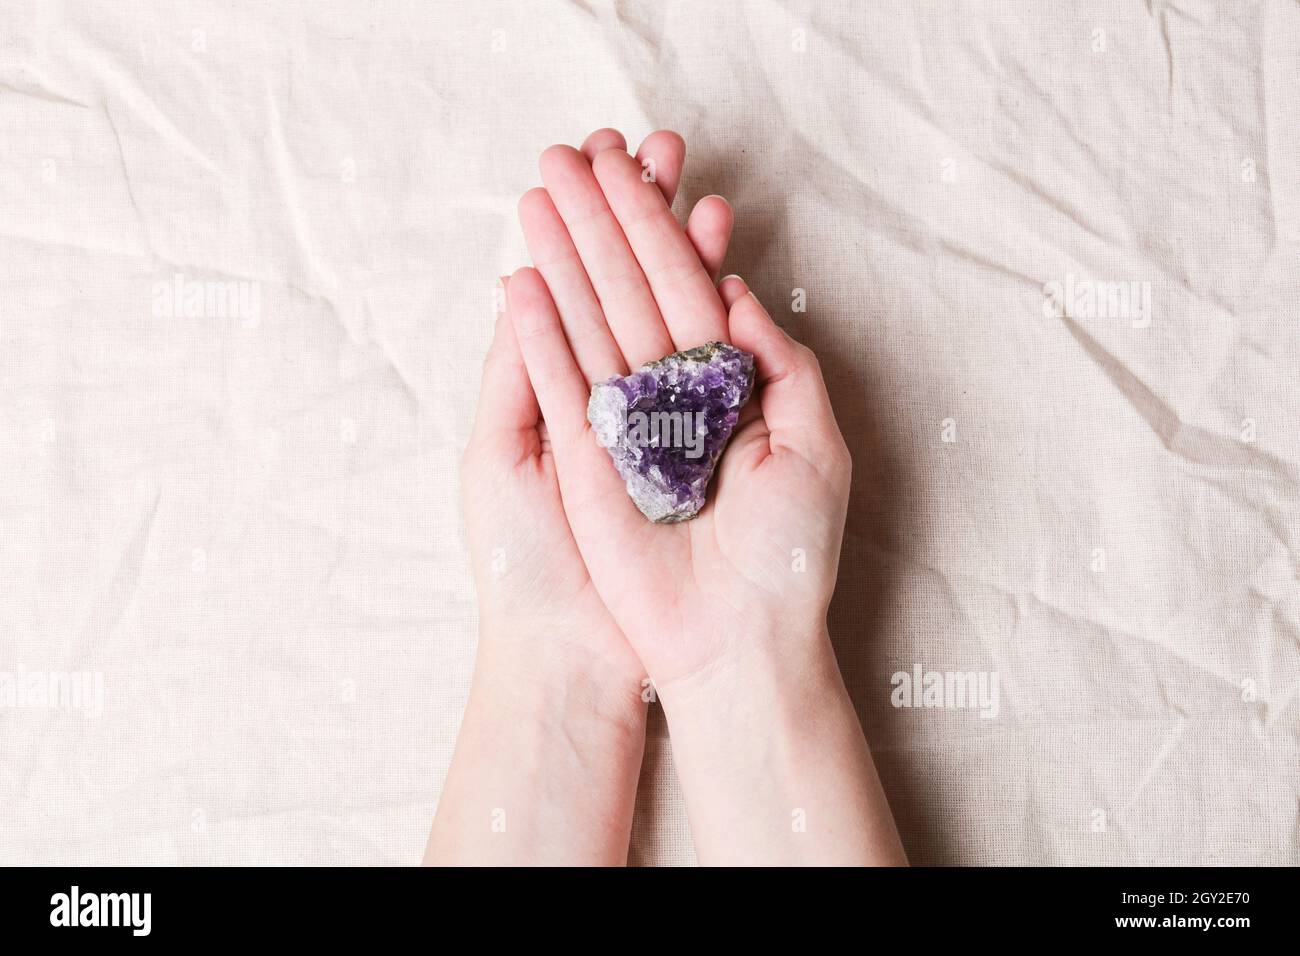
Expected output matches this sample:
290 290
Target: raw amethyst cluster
666 424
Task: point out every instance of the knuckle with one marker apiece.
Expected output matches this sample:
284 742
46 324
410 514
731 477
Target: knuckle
622 285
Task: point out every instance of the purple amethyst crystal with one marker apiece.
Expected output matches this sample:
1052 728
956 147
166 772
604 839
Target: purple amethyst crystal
666 424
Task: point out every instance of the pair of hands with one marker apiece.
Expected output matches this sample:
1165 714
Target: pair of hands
583 602
557 544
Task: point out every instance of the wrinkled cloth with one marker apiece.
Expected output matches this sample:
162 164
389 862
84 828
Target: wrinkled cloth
1048 254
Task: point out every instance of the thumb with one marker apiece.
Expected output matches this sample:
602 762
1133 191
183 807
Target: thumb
792 393
507 406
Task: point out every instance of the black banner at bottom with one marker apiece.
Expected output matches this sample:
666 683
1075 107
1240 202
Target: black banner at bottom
655 907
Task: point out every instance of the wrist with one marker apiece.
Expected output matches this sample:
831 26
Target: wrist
544 681
789 666
772 761
546 764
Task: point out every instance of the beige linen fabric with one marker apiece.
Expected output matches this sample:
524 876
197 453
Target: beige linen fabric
1049 254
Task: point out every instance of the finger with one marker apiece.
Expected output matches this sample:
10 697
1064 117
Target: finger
555 256
601 140
662 157
751 441
556 380
731 288
592 490
682 289
708 227
615 275
792 394
507 406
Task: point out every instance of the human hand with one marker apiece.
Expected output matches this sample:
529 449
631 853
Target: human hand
618 283
549 751
530 577
727 611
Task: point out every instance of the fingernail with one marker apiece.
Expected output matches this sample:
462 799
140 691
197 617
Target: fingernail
732 276
716 196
